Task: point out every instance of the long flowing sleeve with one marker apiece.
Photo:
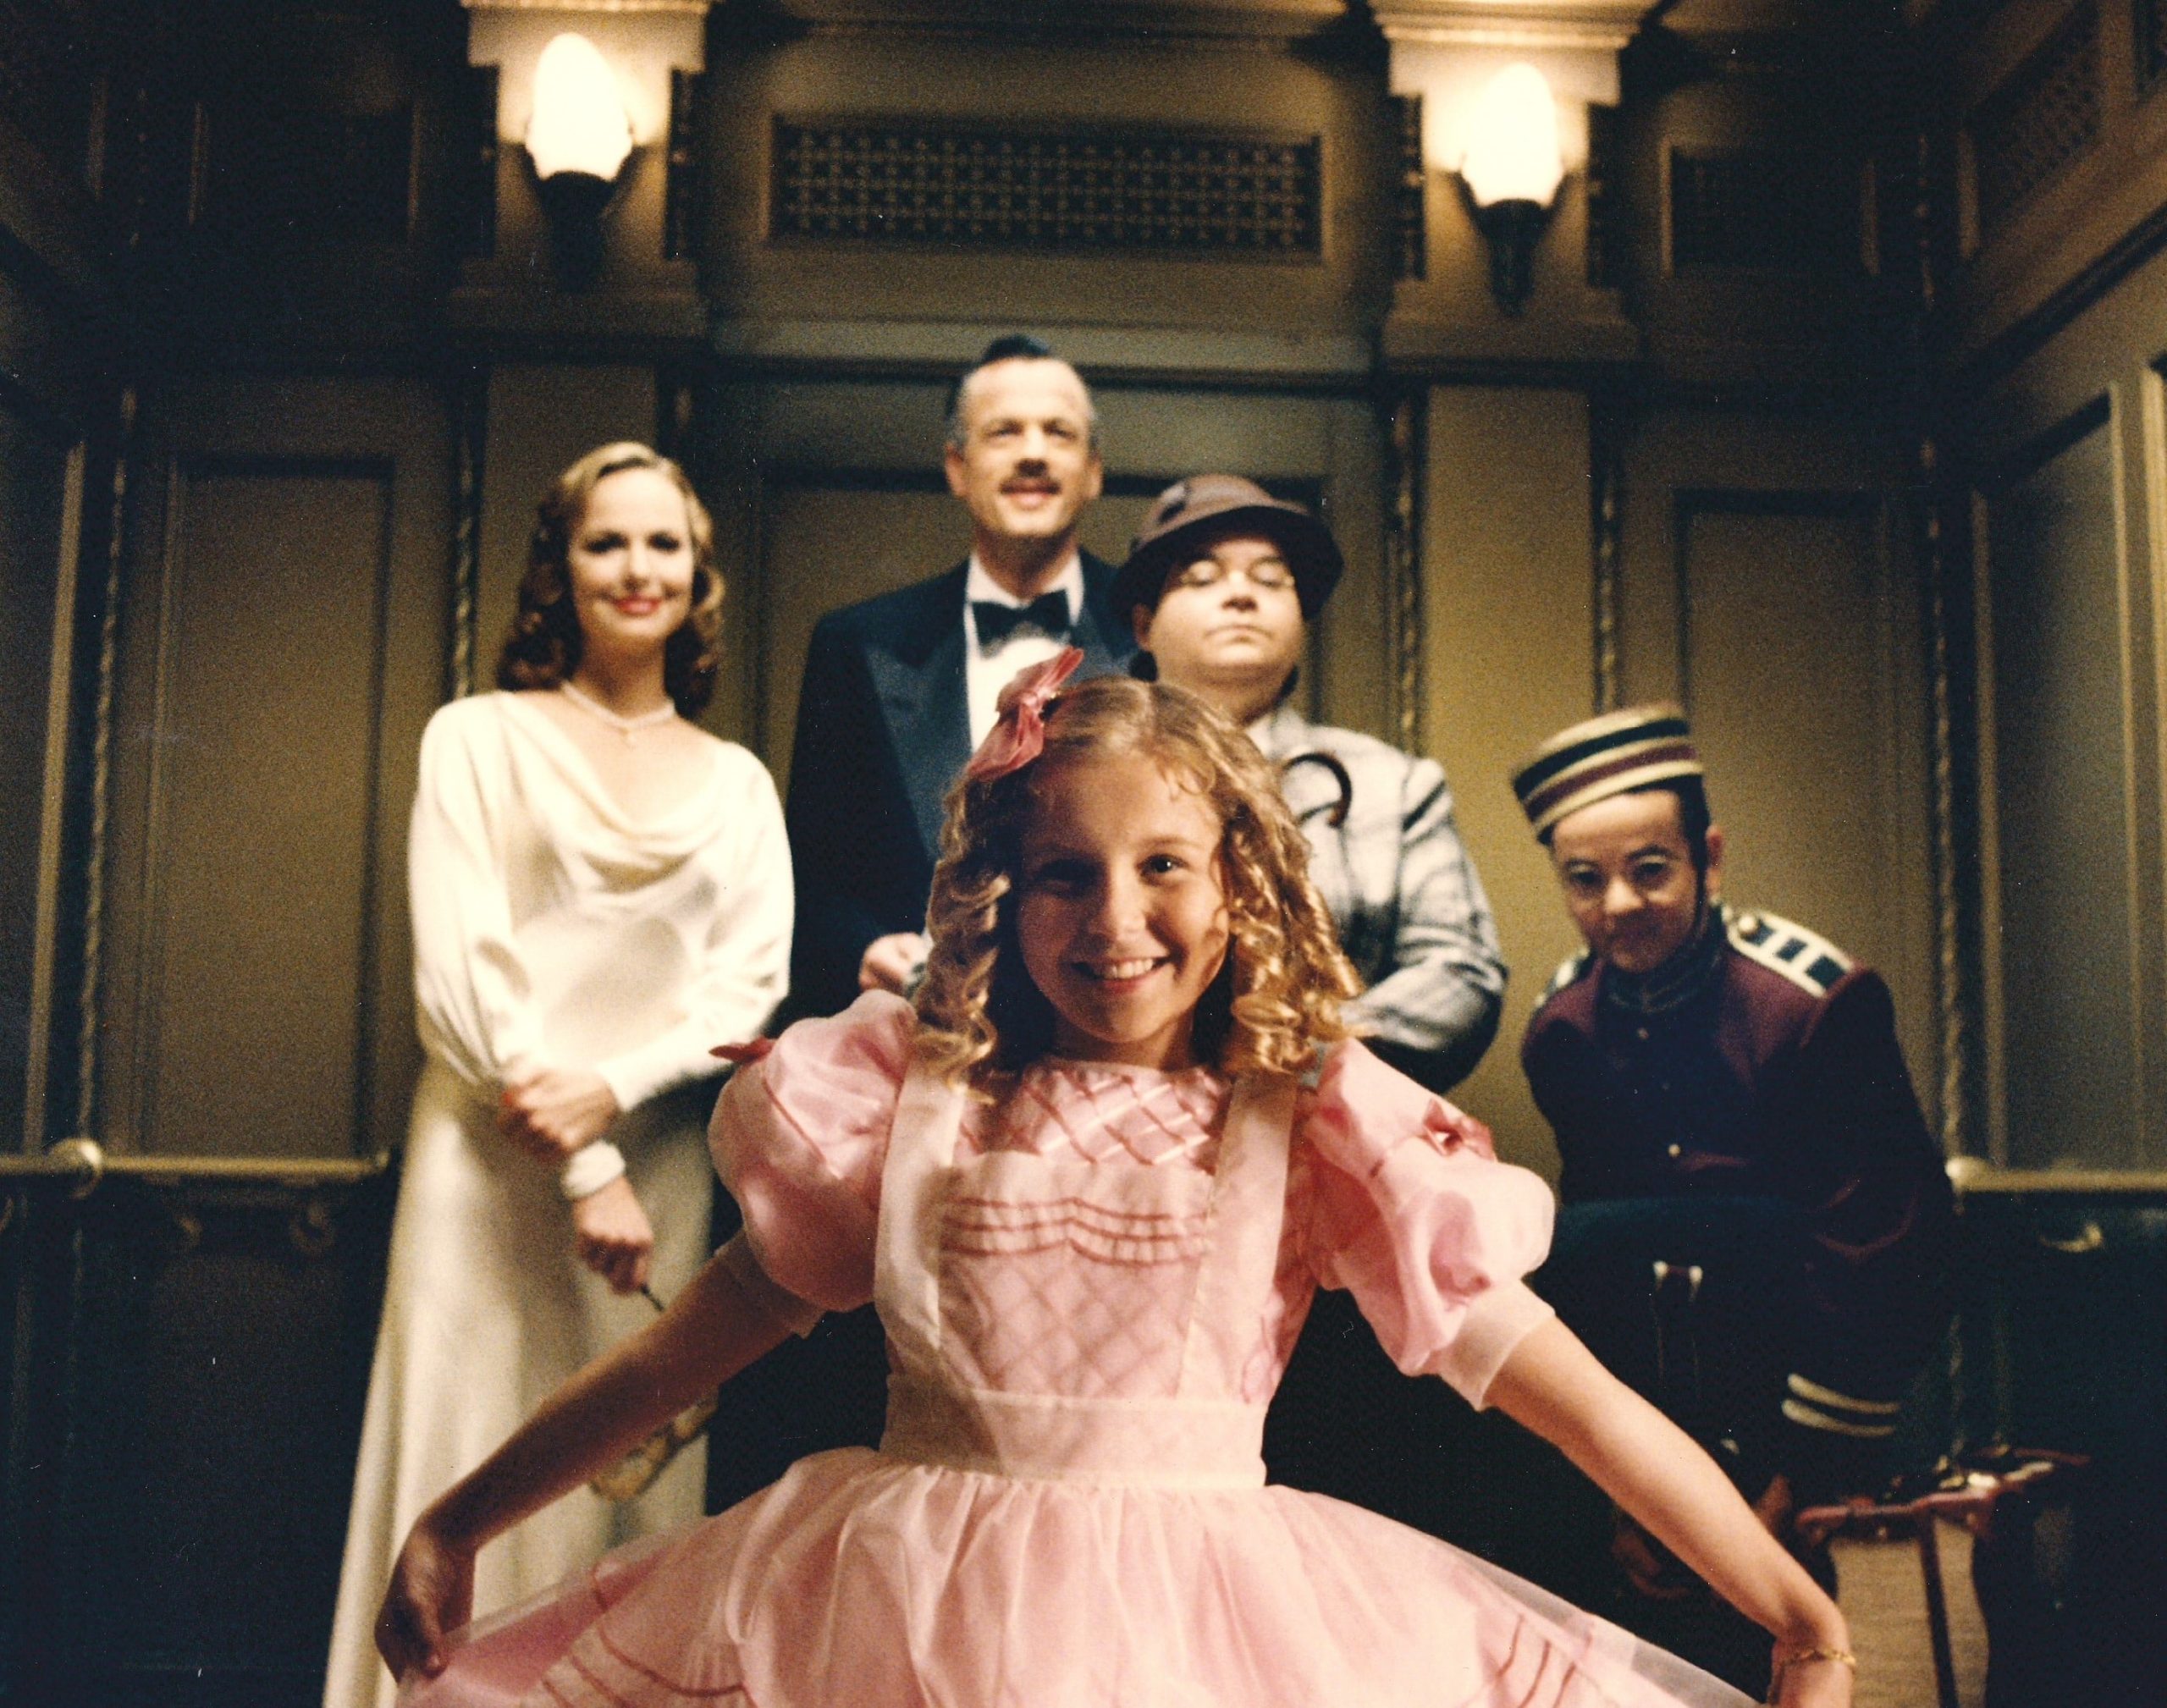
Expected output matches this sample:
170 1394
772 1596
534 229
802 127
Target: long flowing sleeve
746 963
1411 1211
472 992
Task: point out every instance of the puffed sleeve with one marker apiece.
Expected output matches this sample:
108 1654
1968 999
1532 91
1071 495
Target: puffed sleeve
745 961
799 1137
472 994
1410 1210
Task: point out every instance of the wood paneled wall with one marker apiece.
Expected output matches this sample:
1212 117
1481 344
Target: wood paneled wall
1765 581
2065 476
345 417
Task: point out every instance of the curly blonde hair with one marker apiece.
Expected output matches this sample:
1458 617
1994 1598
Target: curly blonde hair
543 649
981 1020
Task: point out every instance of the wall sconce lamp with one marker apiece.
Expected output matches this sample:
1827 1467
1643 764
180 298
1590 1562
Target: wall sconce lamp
1511 168
579 139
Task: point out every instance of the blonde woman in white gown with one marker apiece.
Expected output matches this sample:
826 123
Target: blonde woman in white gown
601 892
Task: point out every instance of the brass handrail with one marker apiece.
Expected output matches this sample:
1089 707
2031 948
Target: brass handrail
83 1162
1975 1177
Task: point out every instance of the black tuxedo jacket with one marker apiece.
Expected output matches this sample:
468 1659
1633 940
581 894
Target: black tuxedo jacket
882 728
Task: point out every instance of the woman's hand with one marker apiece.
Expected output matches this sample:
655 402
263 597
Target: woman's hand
551 1114
890 962
613 1236
432 1592
714 1327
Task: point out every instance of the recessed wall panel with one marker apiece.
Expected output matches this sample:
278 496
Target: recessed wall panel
2061 776
1785 642
33 486
262 801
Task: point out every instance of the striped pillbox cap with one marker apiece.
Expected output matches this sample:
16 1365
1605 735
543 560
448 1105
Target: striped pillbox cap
1611 755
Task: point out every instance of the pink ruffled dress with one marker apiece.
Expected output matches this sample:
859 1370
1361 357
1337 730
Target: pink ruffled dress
1090 1292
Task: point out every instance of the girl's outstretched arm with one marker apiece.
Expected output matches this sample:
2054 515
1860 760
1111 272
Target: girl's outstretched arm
718 1324
1653 1469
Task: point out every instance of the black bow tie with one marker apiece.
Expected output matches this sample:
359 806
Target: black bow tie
1048 613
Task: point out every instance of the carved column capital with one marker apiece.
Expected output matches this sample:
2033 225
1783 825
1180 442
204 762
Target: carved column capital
1601 25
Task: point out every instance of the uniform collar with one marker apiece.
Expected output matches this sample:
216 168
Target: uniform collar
1692 970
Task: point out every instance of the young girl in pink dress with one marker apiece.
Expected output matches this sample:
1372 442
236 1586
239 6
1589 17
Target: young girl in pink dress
1093 1179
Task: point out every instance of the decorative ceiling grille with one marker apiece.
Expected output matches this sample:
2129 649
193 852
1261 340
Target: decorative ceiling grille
1773 210
2151 41
2044 117
1229 197
274 165
44 78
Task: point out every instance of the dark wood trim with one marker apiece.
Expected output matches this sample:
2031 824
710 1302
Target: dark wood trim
2021 463
2009 350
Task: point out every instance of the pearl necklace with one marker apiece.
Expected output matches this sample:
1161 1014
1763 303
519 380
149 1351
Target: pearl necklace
629 728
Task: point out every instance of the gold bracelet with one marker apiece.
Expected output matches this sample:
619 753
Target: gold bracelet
1783 1663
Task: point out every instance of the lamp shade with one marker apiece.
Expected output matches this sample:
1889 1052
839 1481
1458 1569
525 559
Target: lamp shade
579 123
1513 150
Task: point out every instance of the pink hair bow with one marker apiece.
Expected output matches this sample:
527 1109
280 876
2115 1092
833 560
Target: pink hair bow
1018 735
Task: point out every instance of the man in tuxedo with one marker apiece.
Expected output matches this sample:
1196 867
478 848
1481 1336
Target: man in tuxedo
899 688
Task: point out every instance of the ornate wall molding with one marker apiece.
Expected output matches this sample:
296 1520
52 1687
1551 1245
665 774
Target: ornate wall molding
52 807
89 1006
1403 566
1934 570
1606 25
469 430
1156 21
1606 455
1948 980
1411 202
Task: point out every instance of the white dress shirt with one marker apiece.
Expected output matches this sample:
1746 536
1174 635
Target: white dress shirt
987 669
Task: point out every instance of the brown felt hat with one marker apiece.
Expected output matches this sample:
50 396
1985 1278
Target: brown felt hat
1206 507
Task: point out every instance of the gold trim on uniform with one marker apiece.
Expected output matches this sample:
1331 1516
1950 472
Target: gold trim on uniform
1761 937
1799 1412
1807 1390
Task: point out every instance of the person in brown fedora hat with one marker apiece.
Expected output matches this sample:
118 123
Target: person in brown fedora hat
1220 586
1206 507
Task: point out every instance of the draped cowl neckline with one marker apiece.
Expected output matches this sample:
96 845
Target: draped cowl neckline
561 784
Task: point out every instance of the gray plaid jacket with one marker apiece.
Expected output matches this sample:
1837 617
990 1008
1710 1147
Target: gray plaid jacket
1411 913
